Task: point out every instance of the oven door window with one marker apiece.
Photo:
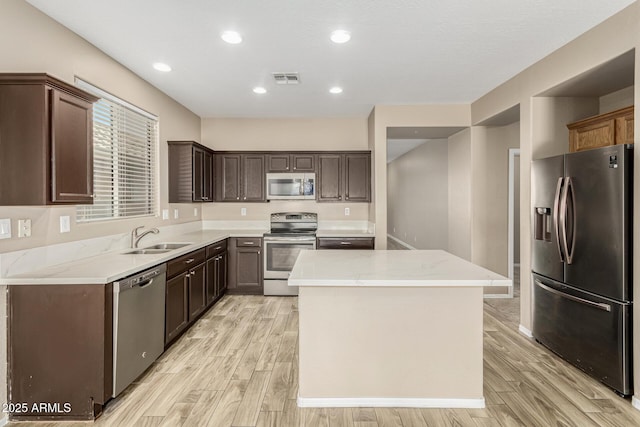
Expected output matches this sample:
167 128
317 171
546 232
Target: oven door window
282 256
285 187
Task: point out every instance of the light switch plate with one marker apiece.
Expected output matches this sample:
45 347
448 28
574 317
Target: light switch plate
65 224
176 214
5 228
243 211
165 213
347 211
24 228
195 211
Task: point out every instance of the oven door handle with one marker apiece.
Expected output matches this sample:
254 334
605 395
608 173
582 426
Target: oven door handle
289 239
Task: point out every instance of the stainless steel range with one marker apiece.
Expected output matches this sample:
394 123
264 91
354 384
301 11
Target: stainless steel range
291 232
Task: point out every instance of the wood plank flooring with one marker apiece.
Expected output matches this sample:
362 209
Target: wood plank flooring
238 366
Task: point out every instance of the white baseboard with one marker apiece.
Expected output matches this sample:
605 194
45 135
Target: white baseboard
525 331
635 402
400 242
387 402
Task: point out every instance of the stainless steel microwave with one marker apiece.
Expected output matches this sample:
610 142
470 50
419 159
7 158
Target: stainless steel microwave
291 186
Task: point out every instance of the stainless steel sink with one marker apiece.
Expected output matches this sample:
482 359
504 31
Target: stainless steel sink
146 251
168 246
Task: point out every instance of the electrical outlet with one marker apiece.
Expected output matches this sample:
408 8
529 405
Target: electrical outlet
24 228
394 229
65 224
347 211
195 211
415 238
5 228
176 214
165 213
243 211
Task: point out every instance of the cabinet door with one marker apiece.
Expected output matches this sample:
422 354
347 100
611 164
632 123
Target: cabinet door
253 185
624 129
198 173
228 177
176 312
197 291
303 162
71 149
249 270
329 179
207 177
357 177
212 277
278 163
221 282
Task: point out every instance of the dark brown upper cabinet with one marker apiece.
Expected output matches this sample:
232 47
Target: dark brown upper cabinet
344 177
285 162
46 141
240 177
190 172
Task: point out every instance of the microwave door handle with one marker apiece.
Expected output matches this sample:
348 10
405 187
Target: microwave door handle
301 186
556 224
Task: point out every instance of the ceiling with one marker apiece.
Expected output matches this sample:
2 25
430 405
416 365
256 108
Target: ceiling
401 51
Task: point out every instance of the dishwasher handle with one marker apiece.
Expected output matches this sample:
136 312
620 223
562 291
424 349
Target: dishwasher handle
140 280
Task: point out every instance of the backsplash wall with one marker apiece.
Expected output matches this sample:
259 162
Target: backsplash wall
261 211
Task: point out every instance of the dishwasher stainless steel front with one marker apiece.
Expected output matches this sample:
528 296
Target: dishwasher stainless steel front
138 324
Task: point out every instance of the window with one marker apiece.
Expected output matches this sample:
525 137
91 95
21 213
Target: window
125 140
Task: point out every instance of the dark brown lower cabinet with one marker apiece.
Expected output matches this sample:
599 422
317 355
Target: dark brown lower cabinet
176 307
186 293
60 363
345 243
216 271
245 266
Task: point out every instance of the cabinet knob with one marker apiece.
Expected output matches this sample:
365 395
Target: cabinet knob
238 198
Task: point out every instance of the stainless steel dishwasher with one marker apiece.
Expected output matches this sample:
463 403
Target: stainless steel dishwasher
138 324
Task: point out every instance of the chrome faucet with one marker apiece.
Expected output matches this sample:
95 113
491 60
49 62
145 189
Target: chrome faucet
135 237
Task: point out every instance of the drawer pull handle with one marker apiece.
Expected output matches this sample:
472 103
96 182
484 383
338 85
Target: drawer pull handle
345 243
189 261
217 248
249 243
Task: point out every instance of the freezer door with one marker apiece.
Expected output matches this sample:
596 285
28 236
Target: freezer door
546 186
598 221
592 333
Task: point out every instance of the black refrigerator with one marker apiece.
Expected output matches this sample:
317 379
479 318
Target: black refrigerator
582 261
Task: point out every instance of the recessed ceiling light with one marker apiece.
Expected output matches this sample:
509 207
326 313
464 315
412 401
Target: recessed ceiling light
335 90
160 66
259 89
340 36
232 37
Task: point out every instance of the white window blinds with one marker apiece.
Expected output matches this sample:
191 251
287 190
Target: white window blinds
125 140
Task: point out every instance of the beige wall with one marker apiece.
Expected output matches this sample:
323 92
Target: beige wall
616 100
459 232
285 134
33 42
453 115
417 194
490 195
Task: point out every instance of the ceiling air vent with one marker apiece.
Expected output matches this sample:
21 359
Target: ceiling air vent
286 78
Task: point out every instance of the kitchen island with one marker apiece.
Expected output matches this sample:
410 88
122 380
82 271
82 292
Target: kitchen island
390 328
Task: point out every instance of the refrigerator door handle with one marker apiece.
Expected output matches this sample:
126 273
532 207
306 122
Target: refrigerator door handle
598 305
556 224
563 219
570 249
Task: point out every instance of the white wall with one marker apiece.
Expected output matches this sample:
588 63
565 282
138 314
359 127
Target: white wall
490 194
417 196
459 203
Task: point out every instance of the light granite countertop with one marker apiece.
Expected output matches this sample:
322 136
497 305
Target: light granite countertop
419 268
110 266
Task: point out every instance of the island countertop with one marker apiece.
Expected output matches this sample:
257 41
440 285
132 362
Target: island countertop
416 268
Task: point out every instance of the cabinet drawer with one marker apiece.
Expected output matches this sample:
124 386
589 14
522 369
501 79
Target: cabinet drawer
248 242
216 248
185 262
345 243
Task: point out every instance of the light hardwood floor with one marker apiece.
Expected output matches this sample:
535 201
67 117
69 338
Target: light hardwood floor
238 366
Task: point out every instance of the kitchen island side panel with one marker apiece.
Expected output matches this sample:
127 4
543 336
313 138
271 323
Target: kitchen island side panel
391 346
